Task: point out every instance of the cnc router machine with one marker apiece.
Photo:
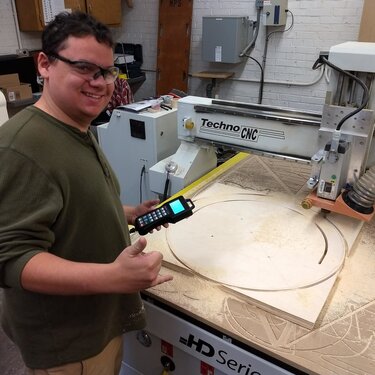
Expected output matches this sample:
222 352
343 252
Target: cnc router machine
336 143
273 273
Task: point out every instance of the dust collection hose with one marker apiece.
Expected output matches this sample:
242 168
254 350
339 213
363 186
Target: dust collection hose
362 196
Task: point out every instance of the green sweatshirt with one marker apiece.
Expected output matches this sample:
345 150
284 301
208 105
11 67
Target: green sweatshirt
59 194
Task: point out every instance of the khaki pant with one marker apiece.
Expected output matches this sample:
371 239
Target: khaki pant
108 362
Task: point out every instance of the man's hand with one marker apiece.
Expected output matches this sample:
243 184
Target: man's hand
133 212
138 270
132 271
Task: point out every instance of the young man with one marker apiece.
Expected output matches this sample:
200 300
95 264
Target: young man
70 275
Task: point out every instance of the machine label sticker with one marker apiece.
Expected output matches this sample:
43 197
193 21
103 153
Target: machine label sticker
218 53
220 356
242 132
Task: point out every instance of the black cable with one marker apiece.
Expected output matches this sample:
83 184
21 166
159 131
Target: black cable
260 96
140 183
166 186
282 31
261 79
322 60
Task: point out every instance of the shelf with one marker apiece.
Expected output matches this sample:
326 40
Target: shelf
213 76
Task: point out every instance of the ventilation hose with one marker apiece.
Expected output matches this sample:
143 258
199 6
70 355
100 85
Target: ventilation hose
362 196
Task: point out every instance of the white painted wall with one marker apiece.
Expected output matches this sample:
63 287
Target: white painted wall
318 24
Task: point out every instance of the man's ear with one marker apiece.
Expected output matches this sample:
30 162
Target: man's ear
43 65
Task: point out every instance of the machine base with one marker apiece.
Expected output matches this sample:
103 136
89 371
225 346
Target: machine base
176 344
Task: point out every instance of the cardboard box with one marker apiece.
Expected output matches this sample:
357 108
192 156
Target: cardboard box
13 89
9 80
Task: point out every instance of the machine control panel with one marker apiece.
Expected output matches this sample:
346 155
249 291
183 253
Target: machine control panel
170 212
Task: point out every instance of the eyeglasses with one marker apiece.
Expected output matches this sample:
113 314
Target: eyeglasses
90 71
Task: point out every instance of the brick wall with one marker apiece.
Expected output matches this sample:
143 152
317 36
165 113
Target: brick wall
318 24
140 26
8 37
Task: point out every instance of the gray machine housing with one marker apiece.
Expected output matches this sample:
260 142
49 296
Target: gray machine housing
224 38
132 143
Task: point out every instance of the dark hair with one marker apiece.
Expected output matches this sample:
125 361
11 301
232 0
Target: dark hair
77 24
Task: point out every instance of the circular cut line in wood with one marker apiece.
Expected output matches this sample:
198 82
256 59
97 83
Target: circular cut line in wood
257 245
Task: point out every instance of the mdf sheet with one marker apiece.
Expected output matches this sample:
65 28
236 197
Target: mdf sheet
261 247
250 236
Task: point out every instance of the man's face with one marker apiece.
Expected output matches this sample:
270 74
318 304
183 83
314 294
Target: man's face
71 94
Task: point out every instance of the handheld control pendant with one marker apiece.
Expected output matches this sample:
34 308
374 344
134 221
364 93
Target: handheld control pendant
170 212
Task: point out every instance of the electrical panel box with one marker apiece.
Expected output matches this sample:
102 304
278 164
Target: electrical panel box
274 12
224 38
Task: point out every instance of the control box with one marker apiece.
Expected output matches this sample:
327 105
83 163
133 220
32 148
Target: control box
224 38
133 143
274 12
333 174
